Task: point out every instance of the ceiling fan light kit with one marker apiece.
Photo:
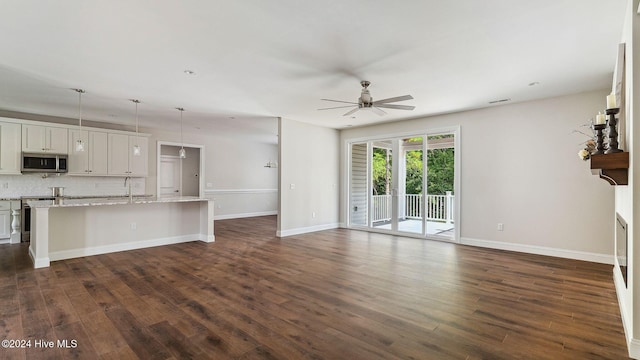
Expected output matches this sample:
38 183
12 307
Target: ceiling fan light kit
365 101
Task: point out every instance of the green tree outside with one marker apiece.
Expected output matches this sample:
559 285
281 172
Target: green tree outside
440 170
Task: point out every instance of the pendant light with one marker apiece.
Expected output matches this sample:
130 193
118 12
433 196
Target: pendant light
79 142
182 153
136 147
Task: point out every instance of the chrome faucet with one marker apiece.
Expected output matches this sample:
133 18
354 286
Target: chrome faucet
129 192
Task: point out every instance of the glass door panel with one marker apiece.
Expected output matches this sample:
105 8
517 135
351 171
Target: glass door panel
410 198
440 199
404 185
382 185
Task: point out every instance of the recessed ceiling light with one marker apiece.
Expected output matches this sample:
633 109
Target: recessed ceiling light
189 72
534 83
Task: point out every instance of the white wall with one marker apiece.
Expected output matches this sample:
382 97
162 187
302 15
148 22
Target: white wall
309 178
519 167
36 185
627 202
234 174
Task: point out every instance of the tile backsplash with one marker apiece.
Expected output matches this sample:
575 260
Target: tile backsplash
15 186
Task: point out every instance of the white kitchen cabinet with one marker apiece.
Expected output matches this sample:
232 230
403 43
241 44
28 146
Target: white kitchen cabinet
44 139
91 161
10 148
121 159
5 219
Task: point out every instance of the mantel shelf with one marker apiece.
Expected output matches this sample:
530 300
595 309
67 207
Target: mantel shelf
614 168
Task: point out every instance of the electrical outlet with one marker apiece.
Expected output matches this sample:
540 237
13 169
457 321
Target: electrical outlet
500 227
134 226
5 185
209 185
313 214
292 186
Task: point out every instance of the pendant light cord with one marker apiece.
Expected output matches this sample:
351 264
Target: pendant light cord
181 135
80 92
136 147
135 101
80 108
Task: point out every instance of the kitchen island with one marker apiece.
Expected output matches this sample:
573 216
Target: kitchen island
70 228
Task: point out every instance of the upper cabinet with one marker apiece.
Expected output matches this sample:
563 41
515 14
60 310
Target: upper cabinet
10 148
106 152
122 160
44 139
91 161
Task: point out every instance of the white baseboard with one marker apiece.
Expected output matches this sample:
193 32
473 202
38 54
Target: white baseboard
105 249
634 348
304 230
633 345
540 250
38 263
245 215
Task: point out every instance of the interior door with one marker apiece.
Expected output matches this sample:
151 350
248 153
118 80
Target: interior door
170 176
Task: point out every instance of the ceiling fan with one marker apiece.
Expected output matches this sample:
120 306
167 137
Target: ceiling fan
365 101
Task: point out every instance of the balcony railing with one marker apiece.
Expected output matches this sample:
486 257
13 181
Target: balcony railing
439 208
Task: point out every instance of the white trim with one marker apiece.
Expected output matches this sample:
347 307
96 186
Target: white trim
633 345
433 131
239 191
105 249
634 348
38 263
308 229
540 250
245 215
72 126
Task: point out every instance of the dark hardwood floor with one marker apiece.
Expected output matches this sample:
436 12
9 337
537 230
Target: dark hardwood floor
336 294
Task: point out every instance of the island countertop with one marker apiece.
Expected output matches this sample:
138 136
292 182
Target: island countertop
64 202
69 228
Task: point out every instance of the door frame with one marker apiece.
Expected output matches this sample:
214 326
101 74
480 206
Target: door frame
200 148
455 130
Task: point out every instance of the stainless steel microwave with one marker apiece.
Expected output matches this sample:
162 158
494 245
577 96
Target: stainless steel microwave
44 163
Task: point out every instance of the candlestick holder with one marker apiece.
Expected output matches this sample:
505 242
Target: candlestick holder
613 133
599 138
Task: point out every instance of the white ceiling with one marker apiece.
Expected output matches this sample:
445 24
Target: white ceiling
256 59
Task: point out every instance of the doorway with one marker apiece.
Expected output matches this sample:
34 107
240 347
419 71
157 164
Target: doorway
180 176
405 185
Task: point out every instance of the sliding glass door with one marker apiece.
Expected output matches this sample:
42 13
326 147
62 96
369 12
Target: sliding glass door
395 188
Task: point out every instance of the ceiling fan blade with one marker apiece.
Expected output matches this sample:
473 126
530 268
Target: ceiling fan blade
378 111
393 106
340 101
336 107
351 112
393 99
